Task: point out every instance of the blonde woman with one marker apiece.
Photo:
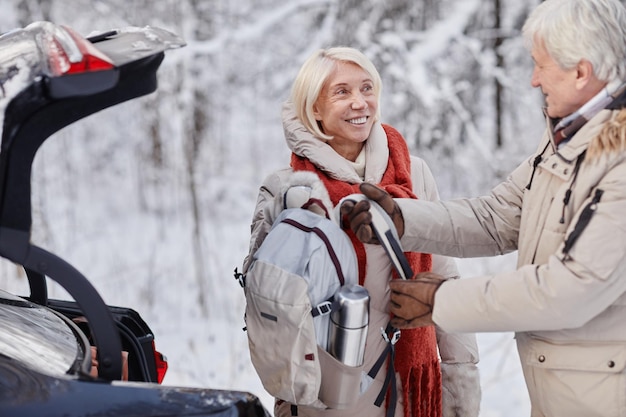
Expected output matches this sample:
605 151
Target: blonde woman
333 128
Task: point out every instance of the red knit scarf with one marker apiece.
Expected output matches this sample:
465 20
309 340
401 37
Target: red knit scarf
416 351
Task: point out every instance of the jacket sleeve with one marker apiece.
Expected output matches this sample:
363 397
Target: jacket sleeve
460 378
467 227
453 348
566 292
264 214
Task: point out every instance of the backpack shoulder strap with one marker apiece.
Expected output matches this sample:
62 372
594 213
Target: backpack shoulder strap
320 233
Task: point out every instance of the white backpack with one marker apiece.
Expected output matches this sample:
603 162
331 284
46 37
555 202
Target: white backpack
303 261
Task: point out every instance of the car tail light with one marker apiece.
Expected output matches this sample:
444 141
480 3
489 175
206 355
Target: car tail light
70 53
161 363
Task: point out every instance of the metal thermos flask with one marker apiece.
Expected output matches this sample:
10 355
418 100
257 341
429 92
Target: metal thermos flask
348 324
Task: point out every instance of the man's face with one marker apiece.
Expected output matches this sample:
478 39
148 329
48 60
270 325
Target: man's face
559 86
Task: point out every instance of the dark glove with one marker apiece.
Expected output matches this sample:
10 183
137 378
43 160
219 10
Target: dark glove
412 300
359 218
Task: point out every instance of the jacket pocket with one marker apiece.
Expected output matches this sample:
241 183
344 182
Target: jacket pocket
576 380
592 357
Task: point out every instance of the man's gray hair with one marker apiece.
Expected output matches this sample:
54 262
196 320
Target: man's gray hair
572 30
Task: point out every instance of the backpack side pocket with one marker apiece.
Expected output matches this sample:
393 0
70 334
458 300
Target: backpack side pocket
281 335
341 384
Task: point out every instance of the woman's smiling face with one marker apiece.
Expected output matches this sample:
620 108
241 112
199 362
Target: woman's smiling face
346 108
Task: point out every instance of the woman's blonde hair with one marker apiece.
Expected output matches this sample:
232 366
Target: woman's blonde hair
313 75
612 137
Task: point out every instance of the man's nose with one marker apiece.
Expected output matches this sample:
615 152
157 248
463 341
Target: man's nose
534 79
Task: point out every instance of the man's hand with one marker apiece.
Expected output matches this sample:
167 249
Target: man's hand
360 219
412 300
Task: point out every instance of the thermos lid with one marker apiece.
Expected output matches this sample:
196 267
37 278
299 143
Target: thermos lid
351 307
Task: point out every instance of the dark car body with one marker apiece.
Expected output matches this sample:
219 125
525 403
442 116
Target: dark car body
51 77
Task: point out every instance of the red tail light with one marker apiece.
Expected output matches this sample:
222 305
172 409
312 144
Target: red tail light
92 60
161 363
70 53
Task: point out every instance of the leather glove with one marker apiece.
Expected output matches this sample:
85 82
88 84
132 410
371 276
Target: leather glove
412 300
359 218
461 391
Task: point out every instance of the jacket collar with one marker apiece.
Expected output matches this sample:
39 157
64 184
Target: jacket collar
571 149
579 142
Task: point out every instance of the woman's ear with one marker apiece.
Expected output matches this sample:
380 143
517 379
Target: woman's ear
316 113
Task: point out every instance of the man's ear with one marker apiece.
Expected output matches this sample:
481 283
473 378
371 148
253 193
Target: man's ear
584 73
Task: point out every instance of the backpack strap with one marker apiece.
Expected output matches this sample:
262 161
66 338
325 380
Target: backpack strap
310 205
391 336
320 233
326 306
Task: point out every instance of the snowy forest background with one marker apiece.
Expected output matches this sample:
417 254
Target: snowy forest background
152 199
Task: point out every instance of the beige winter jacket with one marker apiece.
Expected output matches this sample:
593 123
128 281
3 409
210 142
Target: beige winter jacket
454 348
568 309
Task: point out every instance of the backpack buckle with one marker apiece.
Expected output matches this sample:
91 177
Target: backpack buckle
322 309
394 337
